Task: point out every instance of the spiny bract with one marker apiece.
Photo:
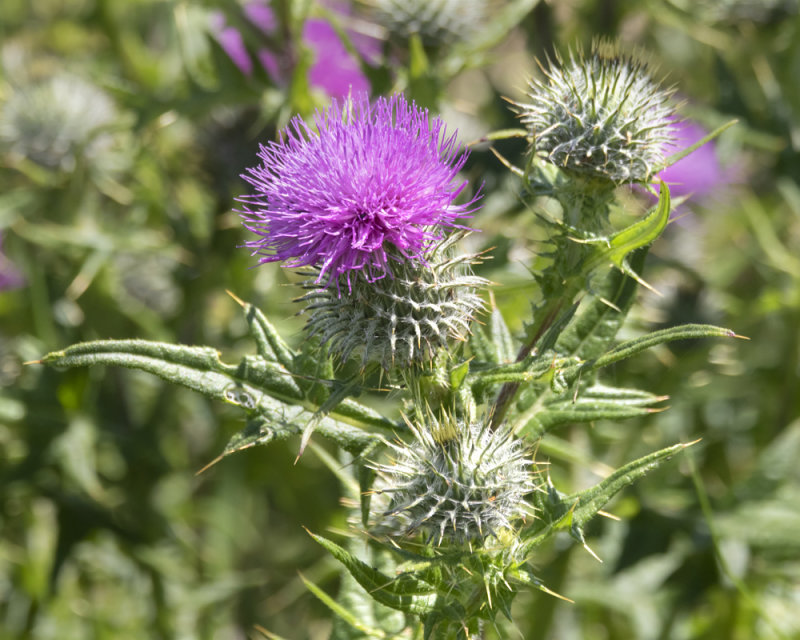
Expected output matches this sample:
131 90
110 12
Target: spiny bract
600 116
402 319
459 489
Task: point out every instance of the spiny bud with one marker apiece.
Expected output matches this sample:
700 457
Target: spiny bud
53 121
403 318
600 116
436 21
462 489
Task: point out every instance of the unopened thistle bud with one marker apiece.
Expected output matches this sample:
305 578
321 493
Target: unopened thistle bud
435 21
404 318
599 116
462 489
54 121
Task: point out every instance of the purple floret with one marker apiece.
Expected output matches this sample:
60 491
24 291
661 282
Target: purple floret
368 184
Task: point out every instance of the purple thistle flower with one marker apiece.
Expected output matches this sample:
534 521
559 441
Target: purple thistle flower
371 184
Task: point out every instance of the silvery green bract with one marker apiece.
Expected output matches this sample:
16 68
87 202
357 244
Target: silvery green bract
403 319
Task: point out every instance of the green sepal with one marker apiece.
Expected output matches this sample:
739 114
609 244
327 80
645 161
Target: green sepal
402 592
571 512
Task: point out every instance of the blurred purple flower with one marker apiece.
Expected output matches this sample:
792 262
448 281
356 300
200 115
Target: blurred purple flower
699 173
232 43
10 277
368 184
334 70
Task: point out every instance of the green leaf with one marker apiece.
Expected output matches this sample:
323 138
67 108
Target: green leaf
259 387
418 66
572 512
589 501
601 314
402 592
191 23
680 155
259 431
681 332
595 403
197 368
640 234
269 343
340 611
458 374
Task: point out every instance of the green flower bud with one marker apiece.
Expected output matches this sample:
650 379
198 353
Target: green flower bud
54 121
454 482
599 116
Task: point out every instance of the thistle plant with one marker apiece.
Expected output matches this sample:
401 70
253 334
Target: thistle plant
367 203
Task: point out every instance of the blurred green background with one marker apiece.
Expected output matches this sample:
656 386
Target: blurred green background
124 126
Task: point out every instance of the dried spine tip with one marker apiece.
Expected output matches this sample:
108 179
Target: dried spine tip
601 116
461 490
402 319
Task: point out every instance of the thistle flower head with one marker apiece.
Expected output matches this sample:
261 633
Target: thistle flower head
404 318
53 121
371 184
462 488
436 21
600 116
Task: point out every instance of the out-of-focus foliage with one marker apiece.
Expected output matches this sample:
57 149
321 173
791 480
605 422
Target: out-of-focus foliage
123 128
